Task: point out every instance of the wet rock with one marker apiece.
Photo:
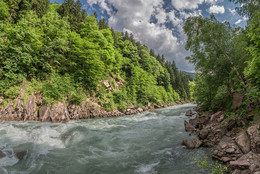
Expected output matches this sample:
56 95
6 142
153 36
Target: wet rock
243 142
192 143
20 155
204 133
188 127
237 100
239 164
2 154
188 113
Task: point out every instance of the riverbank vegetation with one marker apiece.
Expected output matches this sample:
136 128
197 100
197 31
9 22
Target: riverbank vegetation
67 55
227 59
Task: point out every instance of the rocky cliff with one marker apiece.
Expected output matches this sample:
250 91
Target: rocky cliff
234 141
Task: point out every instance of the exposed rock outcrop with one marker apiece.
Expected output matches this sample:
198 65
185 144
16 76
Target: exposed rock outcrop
228 140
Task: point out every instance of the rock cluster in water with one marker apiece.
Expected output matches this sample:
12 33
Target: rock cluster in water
229 142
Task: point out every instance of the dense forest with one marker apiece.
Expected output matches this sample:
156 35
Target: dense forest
68 55
227 59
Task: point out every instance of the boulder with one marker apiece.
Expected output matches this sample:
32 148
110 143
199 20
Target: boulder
44 113
30 112
74 111
237 100
192 143
188 113
254 135
2 154
253 159
140 110
188 127
239 164
243 142
204 133
20 155
216 116
59 112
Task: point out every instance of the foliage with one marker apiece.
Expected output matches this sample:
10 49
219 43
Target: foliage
210 168
220 56
253 69
66 54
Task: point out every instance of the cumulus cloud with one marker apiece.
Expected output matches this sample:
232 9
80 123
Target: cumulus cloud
191 4
216 9
134 16
238 21
232 11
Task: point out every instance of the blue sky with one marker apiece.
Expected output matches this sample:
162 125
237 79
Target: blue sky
158 23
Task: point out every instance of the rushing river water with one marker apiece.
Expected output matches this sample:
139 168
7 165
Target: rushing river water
145 143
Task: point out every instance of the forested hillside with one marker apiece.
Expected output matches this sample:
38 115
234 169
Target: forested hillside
67 55
227 59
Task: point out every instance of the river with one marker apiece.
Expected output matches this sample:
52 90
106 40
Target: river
145 143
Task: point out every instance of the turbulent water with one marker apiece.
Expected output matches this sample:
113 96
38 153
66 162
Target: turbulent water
145 143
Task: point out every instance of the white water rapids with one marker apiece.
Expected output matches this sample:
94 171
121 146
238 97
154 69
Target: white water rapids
144 143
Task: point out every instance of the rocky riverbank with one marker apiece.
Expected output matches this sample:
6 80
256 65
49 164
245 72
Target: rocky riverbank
24 108
234 141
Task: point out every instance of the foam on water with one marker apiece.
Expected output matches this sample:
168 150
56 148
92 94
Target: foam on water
149 142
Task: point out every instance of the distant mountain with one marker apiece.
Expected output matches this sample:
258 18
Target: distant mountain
190 74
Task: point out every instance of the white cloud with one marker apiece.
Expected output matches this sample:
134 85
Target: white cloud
216 9
238 21
161 16
173 19
101 3
191 4
232 11
134 17
186 4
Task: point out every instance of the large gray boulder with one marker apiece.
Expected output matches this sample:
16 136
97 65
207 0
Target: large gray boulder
243 142
192 143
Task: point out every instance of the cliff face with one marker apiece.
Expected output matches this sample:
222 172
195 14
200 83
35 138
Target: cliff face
32 107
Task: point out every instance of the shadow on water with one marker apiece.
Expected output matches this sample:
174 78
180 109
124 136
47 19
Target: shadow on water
144 143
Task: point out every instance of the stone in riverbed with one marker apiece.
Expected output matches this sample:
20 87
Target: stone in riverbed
20 155
192 143
204 133
188 127
188 113
2 154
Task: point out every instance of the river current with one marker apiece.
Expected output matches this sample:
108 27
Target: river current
145 143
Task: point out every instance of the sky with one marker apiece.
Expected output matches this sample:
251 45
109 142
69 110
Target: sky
158 23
